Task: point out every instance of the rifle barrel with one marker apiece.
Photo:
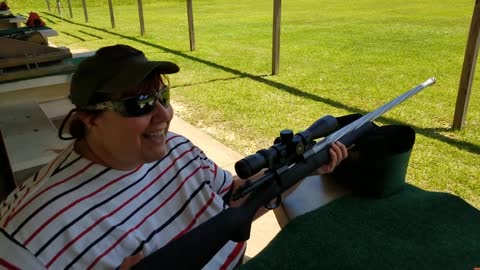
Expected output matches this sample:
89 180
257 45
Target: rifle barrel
368 117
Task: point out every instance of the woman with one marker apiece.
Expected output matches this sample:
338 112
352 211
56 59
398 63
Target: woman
127 185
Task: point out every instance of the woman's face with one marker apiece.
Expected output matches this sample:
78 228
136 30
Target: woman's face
126 142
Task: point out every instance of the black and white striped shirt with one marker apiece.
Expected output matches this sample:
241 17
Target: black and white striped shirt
76 214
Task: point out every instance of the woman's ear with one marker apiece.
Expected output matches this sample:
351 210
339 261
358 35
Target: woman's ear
87 118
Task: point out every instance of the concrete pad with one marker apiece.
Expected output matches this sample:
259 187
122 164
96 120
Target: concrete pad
216 151
265 227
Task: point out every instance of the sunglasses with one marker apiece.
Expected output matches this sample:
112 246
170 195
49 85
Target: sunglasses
136 106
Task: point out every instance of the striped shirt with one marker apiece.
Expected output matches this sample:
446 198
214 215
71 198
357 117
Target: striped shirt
77 214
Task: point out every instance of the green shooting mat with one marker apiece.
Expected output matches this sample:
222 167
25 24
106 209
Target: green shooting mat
411 229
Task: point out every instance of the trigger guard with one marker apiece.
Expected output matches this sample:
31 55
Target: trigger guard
276 204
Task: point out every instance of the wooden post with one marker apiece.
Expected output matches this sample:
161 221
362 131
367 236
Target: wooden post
468 71
140 16
59 8
85 10
112 17
191 32
277 13
48 5
70 8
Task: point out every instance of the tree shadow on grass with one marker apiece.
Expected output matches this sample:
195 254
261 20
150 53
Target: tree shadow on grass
432 133
72 35
214 80
90 34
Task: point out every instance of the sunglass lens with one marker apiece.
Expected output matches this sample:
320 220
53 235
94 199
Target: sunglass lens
164 97
135 107
143 105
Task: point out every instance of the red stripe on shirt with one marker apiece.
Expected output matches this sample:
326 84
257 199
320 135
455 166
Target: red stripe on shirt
8 265
215 170
145 218
199 213
173 137
232 255
75 203
227 188
18 203
45 190
25 195
80 235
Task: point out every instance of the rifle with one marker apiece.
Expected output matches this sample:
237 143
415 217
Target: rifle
289 160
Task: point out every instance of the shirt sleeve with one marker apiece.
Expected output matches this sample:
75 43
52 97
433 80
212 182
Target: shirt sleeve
14 256
221 181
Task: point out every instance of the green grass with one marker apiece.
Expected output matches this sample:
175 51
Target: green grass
337 57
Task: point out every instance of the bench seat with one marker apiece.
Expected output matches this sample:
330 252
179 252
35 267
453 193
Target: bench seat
30 137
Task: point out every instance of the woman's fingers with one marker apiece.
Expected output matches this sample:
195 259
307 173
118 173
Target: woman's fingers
341 151
338 152
130 261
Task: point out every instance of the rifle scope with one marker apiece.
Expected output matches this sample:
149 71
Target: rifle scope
286 148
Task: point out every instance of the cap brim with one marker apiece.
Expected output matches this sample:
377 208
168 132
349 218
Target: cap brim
136 73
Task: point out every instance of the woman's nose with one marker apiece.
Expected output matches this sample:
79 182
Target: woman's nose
162 112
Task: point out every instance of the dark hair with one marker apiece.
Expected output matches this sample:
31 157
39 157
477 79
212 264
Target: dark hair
149 85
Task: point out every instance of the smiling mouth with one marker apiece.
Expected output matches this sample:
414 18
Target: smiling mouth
157 135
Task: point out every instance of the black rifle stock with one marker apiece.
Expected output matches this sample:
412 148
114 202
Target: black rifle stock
195 249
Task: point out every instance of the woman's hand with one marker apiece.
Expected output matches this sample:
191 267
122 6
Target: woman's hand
338 152
130 261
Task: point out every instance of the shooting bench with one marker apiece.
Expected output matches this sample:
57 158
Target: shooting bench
43 30
29 107
11 21
21 59
30 138
313 192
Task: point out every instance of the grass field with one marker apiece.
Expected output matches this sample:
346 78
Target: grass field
337 57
